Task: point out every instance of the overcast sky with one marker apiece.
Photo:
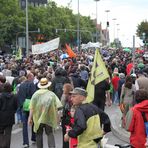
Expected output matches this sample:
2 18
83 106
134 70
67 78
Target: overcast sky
128 14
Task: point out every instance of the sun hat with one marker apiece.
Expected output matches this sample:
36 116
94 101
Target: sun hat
44 83
79 91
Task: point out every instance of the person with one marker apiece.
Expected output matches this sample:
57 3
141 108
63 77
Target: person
58 81
66 102
102 94
26 90
72 141
8 107
2 81
121 82
43 113
88 120
127 96
83 73
134 120
142 81
115 81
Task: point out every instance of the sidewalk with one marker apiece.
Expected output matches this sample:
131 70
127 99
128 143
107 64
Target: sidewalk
115 117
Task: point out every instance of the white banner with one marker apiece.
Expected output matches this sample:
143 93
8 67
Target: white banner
46 47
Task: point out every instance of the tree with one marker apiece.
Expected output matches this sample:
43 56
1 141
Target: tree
11 21
48 19
142 31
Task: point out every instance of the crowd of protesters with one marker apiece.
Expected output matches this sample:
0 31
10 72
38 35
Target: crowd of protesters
41 76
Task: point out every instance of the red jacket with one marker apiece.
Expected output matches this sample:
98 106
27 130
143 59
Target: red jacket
115 81
135 124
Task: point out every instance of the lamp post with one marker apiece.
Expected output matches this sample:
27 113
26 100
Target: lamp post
27 34
96 19
114 19
78 28
107 25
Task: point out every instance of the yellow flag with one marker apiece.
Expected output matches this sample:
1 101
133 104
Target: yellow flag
98 74
19 54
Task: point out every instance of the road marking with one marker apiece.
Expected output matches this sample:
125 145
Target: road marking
16 130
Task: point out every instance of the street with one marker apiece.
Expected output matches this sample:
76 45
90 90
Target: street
17 140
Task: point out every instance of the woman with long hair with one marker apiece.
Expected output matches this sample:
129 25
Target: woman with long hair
127 96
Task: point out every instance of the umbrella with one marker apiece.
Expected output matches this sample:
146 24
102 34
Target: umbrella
64 56
127 49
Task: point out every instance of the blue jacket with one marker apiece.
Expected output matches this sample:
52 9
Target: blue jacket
26 90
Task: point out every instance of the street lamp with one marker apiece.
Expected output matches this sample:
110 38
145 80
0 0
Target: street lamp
96 19
117 30
27 34
114 19
78 28
107 25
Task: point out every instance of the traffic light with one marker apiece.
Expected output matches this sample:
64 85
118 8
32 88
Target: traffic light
107 23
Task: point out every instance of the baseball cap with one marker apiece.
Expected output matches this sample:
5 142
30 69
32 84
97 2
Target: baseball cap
79 91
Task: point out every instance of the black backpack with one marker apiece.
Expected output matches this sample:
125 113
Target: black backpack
59 89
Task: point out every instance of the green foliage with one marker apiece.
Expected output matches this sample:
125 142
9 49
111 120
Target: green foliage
47 18
11 21
142 30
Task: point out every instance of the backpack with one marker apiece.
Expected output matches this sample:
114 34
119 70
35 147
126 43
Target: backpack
59 89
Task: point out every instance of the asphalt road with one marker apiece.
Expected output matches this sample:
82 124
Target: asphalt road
17 140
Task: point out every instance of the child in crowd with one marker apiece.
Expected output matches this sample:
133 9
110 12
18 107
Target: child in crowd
72 141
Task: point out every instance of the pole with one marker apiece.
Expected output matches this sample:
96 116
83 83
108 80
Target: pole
78 28
107 31
16 41
96 21
114 27
27 35
133 54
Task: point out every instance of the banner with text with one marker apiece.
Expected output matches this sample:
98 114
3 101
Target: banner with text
46 47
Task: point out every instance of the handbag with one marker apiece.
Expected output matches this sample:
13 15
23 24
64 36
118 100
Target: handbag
122 107
26 105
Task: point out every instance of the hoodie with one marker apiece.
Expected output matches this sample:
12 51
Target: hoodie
8 107
135 124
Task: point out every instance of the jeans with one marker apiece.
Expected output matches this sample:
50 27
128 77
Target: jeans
19 115
115 97
25 116
49 133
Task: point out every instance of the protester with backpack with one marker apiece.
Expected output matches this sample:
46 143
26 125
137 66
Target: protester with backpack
135 120
58 81
87 121
26 90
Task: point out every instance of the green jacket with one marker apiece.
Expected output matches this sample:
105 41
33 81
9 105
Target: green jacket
44 106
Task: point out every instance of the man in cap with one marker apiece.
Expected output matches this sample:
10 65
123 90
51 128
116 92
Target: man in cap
43 113
87 121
